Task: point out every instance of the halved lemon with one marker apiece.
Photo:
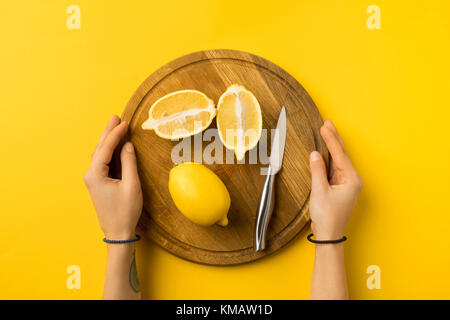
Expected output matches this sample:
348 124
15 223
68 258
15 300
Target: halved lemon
180 114
239 120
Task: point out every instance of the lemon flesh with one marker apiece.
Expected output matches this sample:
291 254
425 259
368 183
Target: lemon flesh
239 120
199 194
180 114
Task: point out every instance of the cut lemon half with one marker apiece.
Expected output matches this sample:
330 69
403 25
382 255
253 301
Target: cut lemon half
239 120
180 114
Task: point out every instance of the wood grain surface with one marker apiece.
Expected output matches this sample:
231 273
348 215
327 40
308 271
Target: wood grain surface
212 72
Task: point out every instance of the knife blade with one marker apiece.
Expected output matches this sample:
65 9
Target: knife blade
267 199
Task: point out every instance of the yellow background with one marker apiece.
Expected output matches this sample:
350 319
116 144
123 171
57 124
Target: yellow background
386 90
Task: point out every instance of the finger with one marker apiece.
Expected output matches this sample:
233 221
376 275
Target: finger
105 151
340 158
113 122
319 178
333 128
129 166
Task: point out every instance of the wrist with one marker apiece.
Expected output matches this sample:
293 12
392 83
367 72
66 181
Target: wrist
119 251
329 247
327 232
120 235
322 236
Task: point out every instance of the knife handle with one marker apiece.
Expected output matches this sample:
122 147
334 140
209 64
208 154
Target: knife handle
265 209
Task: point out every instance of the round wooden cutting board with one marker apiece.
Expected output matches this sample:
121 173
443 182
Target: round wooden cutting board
212 72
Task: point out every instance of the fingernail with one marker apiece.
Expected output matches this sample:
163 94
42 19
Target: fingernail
331 124
129 147
314 156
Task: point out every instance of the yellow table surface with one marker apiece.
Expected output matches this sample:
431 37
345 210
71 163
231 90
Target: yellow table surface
387 90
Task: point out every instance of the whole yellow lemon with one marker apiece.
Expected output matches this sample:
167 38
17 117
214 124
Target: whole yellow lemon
199 194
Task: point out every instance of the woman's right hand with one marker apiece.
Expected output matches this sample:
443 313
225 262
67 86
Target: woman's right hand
332 200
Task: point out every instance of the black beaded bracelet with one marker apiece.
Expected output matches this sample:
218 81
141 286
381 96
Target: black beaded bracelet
122 241
325 241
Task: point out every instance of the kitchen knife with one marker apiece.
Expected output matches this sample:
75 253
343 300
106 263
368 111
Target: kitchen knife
267 200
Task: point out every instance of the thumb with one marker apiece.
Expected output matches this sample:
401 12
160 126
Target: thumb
318 172
129 166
